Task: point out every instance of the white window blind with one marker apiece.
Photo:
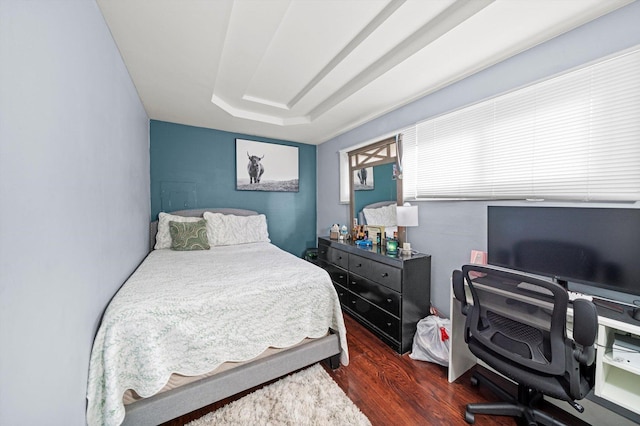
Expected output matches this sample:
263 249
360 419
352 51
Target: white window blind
572 137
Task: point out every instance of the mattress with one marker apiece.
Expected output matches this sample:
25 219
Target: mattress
177 380
190 312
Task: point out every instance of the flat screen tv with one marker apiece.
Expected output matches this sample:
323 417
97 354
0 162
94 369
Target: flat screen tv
595 250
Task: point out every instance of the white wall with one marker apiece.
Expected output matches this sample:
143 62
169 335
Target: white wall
450 230
74 200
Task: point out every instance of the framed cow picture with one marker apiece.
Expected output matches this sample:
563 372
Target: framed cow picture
363 179
262 166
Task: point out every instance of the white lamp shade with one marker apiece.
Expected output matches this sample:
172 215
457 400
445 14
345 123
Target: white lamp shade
407 215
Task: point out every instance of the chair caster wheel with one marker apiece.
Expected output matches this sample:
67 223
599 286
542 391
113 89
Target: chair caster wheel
474 381
469 417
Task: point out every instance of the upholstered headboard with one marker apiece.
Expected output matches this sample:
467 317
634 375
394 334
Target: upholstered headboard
153 226
361 218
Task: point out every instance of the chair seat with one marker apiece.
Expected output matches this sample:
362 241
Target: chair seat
554 386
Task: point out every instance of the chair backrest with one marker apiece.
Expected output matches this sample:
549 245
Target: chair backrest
518 316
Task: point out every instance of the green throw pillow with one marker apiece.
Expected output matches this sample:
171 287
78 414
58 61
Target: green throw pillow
189 235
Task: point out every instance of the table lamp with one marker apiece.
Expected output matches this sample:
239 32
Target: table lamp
407 215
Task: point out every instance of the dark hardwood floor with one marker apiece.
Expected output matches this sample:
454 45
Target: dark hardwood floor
391 389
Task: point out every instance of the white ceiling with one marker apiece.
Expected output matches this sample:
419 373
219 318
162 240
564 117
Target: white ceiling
309 70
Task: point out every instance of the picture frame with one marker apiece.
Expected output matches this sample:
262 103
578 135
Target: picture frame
363 179
373 230
262 166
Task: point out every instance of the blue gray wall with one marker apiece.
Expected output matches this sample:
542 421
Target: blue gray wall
201 162
74 188
449 230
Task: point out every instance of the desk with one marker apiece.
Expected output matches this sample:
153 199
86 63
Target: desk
615 382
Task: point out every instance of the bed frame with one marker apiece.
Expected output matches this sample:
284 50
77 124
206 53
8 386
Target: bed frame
173 403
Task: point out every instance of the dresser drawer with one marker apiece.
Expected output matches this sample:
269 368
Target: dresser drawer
338 257
323 251
343 294
382 320
381 296
338 275
383 274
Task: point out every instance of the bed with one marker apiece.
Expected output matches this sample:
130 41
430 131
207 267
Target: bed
222 320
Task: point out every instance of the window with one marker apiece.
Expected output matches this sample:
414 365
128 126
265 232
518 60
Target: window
572 137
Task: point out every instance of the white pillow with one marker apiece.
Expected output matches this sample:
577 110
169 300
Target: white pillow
383 216
229 229
163 237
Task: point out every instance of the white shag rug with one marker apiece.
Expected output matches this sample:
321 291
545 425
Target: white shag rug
309 397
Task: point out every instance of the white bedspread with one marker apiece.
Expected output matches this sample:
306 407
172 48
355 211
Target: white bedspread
189 312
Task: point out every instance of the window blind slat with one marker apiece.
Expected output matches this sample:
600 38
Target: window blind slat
574 137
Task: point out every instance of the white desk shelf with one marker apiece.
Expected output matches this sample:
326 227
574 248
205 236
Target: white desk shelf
616 381
608 359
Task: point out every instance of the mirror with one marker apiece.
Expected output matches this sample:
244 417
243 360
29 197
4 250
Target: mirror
376 183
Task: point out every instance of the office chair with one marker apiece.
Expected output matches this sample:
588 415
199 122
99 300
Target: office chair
517 326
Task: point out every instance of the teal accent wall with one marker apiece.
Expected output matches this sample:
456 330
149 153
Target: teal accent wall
384 188
195 167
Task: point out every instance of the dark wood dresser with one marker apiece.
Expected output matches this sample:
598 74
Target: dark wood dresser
387 294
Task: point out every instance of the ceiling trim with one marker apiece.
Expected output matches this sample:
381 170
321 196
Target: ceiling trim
256 116
239 112
353 44
448 19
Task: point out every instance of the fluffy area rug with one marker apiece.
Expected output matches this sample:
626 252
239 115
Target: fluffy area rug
309 397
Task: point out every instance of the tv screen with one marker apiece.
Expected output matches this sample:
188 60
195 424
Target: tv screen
599 247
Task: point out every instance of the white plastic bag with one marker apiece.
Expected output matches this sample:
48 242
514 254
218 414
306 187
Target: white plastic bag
431 341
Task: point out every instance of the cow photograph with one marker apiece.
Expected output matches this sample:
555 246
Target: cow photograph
264 166
363 179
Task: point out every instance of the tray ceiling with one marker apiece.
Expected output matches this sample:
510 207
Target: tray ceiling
309 70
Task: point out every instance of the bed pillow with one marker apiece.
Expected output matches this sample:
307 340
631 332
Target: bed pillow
163 237
229 229
189 235
383 216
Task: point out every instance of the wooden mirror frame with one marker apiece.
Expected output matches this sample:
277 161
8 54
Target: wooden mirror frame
375 154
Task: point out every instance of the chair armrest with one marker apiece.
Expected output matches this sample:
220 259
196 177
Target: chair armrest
585 320
457 280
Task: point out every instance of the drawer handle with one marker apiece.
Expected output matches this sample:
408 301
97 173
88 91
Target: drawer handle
359 265
353 302
388 324
341 294
389 300
354 282
384 275
341 276
339 257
